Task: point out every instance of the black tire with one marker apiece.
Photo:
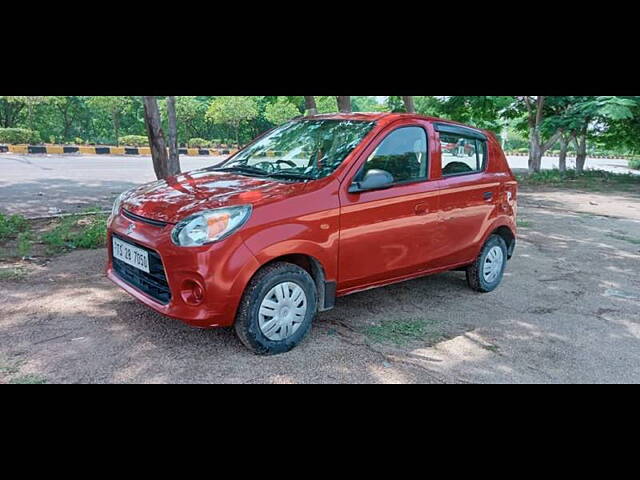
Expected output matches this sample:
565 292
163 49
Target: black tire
475 279
247 326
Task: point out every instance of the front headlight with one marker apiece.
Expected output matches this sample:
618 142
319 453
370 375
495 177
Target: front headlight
210 226
117 204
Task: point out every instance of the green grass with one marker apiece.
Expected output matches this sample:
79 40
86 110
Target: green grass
12 273
634 163
77 232
625 238
12 225
595 180
401 332
25 244
29 379
524 223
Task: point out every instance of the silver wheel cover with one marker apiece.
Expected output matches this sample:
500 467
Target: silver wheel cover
282 311
493 263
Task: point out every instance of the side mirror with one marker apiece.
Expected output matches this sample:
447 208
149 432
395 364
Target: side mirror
373 180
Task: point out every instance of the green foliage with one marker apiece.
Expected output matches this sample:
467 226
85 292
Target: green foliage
281 111
327 104
25 244
366 104
29 379
12 274
12 225
17 136
199 143
134 141
232 110
111 105
77 232
592 180
634 163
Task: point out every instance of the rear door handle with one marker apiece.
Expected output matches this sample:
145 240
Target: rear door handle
487 195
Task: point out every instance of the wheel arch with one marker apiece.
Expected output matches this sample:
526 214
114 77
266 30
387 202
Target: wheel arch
326 289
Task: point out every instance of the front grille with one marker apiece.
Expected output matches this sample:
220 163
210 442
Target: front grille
153 283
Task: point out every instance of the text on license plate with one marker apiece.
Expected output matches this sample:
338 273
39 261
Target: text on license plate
134 256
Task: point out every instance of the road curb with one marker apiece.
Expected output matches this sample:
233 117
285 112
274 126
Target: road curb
106 150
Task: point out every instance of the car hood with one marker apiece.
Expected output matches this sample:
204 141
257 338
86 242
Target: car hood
177 197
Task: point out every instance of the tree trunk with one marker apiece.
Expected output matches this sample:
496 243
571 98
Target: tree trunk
116 127
535 152
174 158
562 158
156 137
310 105
564 146
581 152
344 104
408 104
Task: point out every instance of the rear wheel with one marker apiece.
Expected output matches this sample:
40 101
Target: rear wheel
486 273
277 309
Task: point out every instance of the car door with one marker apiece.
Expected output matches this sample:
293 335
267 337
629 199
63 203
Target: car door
385 234
469 192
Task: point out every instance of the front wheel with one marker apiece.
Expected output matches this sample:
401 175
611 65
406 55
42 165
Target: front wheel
277 309
485 274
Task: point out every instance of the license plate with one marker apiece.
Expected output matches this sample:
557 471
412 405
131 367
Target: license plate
134 256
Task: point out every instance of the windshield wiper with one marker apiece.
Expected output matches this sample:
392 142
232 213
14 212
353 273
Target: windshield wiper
294 175
243 169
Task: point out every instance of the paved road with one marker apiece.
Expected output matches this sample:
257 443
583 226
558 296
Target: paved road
37 185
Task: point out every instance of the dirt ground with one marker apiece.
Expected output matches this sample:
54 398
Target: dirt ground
567 311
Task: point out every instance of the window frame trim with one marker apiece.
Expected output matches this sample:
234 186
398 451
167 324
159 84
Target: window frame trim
428 177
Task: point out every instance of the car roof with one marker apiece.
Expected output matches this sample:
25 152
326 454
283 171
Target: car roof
385 118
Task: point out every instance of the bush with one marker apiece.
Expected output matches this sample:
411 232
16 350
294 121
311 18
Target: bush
12 225
634 163
16 136
134 141
199 143
77 232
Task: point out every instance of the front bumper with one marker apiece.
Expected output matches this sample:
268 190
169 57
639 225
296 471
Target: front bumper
222 270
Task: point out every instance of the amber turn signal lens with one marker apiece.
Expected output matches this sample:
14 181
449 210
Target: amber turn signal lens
218 224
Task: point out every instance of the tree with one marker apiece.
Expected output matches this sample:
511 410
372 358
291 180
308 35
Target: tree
585 116
540 138
232 111
192 110
161 165
327 104
281 110
68 108
366 104
174 157
114 107
10 108
409 105
310 106
344 104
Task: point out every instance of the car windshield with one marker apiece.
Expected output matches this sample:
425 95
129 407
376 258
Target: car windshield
306 149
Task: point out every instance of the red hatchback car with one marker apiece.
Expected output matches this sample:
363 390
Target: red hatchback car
317 208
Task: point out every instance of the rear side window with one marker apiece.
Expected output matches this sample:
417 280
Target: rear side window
462 155
403 153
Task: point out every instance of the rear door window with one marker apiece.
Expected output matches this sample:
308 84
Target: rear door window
462 155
